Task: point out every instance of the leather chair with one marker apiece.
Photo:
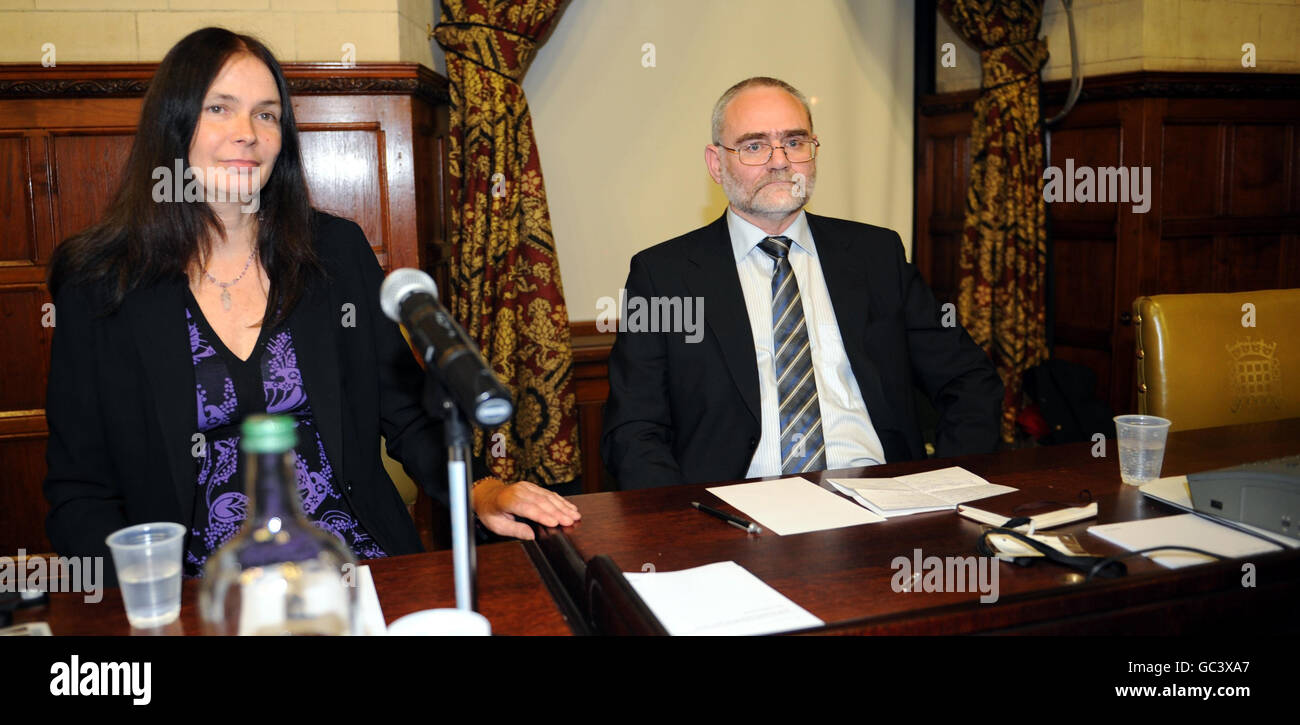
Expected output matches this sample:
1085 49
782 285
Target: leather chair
1206 360
405 486
432 520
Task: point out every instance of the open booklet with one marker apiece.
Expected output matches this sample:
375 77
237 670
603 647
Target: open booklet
917 493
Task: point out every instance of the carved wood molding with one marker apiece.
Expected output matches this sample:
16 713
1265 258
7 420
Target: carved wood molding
129 80
73 88
1141 84
369 86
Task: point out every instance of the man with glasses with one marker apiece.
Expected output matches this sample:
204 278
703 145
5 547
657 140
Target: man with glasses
818 329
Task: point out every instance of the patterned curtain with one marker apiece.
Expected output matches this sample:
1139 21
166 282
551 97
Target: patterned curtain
1003 250
505 278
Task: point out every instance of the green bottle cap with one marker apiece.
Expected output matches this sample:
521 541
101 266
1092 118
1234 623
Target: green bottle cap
268 434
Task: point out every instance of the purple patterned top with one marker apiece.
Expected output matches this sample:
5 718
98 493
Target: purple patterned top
220 505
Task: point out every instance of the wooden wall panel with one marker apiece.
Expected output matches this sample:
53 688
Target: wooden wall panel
22 459
1186 265
1083 242
24 366
86 168
1251 263
942 165
1294 163
1258 179
17 203
345 175
951 163
387 205
1094 140
1191 170
945 278
591 373
1083 298
433 196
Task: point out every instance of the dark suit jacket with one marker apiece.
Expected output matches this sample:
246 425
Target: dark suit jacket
685 413
121 405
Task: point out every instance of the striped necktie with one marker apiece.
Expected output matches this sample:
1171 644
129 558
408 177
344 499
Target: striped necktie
802 447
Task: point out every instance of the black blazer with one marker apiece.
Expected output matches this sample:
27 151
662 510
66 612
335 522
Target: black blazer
121 405
686 413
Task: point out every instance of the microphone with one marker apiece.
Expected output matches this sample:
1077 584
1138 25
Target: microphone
410 298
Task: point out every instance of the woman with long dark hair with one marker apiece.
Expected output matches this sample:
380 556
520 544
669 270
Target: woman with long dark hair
212 290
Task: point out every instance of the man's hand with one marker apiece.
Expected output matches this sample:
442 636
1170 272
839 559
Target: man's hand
498 505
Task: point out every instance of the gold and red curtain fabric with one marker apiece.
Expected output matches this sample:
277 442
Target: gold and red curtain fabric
505 277
1003 263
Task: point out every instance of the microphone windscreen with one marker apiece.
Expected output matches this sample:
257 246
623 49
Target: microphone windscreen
400 284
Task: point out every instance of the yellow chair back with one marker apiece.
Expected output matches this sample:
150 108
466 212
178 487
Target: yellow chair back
1206 360
405 486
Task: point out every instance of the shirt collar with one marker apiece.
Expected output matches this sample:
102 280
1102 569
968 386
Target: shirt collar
746 236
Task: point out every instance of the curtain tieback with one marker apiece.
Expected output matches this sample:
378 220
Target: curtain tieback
1014 63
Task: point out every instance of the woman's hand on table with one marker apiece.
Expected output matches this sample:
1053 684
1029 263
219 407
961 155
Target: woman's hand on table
499 506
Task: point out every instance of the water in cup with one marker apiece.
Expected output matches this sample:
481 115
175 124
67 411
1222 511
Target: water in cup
1141 442
152 593
148 562
1139 460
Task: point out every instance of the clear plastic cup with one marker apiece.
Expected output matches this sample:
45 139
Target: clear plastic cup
1141 441
148 562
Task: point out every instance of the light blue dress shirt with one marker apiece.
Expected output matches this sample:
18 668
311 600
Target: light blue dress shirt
851 439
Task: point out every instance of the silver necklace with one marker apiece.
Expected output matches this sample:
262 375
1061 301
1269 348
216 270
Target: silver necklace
226 302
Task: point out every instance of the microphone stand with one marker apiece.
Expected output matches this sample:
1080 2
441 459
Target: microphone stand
439 405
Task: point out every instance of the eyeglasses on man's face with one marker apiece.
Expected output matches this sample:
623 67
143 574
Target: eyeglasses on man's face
757 153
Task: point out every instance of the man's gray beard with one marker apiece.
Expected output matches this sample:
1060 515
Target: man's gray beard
735 194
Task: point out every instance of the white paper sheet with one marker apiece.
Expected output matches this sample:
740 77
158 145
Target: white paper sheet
793 506
372 617
1182 530
718 599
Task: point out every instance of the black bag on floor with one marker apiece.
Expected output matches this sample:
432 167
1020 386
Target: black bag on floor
1065 394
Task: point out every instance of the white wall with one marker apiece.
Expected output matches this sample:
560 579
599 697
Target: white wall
622 145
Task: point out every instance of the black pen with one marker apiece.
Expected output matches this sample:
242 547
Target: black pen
743 525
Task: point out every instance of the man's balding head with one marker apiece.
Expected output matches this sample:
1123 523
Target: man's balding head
720 108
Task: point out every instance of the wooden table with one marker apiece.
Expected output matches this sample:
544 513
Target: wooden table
512 596
843 576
